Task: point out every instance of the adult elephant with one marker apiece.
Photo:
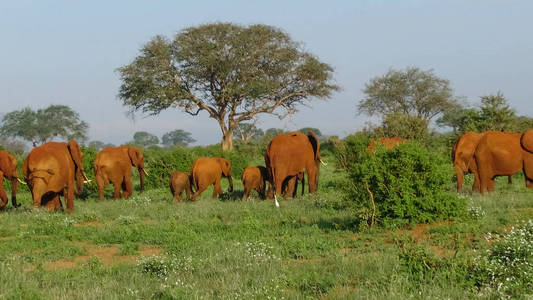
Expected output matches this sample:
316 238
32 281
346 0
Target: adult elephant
463 159
287 155
8 170
206 171
52 170
498 154
113 165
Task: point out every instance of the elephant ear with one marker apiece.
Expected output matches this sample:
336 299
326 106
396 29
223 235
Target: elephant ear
527 140
135 156
315 143
225 166
75 153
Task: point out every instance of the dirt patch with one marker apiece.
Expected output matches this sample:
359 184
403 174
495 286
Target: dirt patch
6 238
107 255
441 251
89 223
148 251
59 265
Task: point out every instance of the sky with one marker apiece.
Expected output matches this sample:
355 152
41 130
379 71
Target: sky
67 52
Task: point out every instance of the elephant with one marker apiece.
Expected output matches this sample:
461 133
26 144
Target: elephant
500 154
206 171
254 178
178 182
113 165
289 154
463 159
388 142
8 170
55 169
526 141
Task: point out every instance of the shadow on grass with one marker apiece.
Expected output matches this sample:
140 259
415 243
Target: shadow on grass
340 223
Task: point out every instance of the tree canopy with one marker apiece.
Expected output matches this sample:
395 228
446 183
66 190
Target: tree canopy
43 125
410 92
230 71
145 139
494 113
177 137
316 131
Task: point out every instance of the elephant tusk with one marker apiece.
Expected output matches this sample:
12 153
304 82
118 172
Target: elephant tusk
24 183
86 179
322 162
145 173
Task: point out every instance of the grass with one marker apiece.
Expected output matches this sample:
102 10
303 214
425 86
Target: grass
149 247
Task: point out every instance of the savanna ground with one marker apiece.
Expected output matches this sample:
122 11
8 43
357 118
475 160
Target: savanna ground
149 247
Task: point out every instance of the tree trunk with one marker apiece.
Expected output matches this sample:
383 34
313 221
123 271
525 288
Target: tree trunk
227 141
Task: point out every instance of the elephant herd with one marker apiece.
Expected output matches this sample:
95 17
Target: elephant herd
56 169
490 154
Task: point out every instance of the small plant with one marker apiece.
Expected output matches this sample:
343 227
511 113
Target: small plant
476 212
506 269
159 266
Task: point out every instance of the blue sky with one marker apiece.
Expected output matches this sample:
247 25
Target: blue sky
66 52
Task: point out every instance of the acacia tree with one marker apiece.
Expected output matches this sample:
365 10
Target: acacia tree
412 96
145 139
232 72
43 125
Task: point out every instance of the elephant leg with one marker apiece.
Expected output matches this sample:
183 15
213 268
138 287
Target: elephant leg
529 183
490 186
476 187
14 189
101 184
188 191
199 191
510 179
127 187
311 180
217 189
116 189
179 195
459 174
246 193
70 198
3 194
52 203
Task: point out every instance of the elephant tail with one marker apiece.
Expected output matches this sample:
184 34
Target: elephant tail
526 140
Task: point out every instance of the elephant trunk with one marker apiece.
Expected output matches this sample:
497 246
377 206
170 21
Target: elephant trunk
230 180
141 176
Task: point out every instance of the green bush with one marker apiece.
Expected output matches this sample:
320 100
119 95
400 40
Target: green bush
407 183
506 269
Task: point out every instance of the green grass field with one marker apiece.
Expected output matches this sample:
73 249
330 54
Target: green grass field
149 247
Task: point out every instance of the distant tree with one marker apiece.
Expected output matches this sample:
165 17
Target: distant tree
145 139
494 113
230 71
43 125
411 92
99 145
314 130
13 146
522 123
177 138
272 132
247 132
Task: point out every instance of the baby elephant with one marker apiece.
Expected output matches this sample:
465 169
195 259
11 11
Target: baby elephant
179 181
254 178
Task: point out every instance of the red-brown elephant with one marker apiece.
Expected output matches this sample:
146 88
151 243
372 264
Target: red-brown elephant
180 181
499 154
290 189
254 178
389 143
287 155
526 141
206 171
113 165
54 169
463 159
8 170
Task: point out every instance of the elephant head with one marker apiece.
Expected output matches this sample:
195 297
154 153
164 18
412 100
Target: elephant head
77 155
226 171
137 160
